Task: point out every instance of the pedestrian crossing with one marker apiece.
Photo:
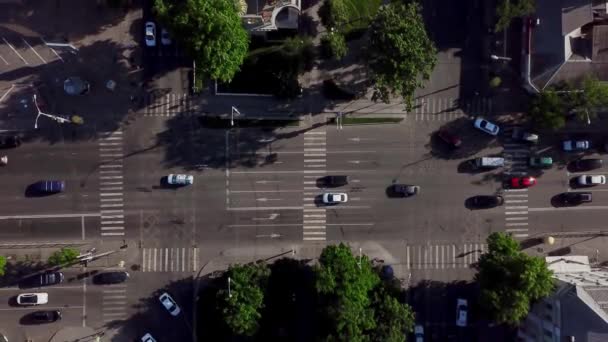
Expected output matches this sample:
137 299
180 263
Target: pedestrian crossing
448 109
443 256
114 303
176 259
111 184
315 163
170 104
516 156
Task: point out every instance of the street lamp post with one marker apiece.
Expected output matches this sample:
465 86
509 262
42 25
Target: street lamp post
500 58
233 110
52 117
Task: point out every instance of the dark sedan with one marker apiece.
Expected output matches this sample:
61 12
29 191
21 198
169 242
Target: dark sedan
575 198
403 190
43 279
450 139
485 201
48 316
9 141
111 277
586 164
49 186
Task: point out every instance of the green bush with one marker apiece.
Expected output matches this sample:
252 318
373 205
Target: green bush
333 45
349 15
63 256
495 82
2 265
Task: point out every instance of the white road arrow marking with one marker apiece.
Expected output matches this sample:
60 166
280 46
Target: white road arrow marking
359 161
267 181
264 199
272 236
357 139
271 217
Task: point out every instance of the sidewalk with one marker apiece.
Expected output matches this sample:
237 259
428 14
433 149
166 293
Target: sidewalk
76 334
592 244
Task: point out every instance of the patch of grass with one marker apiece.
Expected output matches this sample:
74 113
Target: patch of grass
365 121
224 123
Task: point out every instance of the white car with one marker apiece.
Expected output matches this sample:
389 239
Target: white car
419 333
169 304
591 179
164 37
486 126
334 198
173 179
150 35
575 145
461 312
148 338
33 298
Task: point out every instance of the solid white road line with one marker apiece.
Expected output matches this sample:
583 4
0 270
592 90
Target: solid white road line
19 217
520 218
599 207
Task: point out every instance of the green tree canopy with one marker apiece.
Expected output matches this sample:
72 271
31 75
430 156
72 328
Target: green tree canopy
508 10
63 256
547 111
241 306
587 101
510 280
392 318
344 284
210 30
2 265
400 53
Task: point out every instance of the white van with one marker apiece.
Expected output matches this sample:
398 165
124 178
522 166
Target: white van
489 162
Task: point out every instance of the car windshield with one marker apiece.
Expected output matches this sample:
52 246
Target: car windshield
169 304
28 299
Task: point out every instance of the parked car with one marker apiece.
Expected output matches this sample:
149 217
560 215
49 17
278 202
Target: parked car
335 198
586 164
522 182
150 34
591 179
147 338
525 136
575 145
419 333
486 126
575 198
541 162
461 312
43 279
169 304
404 190
115 277
76 86
450 139
180 179
165 38
33 298
486 201
10 141
49 186
332 181
47 316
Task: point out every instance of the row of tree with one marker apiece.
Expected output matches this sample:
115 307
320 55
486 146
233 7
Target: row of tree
344 295
400 54
550 108
351 301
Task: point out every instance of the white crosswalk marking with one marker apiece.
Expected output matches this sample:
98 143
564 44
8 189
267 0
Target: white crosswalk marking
448 108
110 175
442 256
170 104
516 156
114 302
176 259
313 228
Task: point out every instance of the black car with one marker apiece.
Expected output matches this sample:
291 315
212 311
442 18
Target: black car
575 198
484 201
111 277
403 190
45 316
49 186
587 164
9 141
332 181
43 279
452 140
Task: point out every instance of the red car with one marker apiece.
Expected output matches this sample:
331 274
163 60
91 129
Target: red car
522 182
452 140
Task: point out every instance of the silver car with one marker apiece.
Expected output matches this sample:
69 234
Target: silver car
169 304
179 179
